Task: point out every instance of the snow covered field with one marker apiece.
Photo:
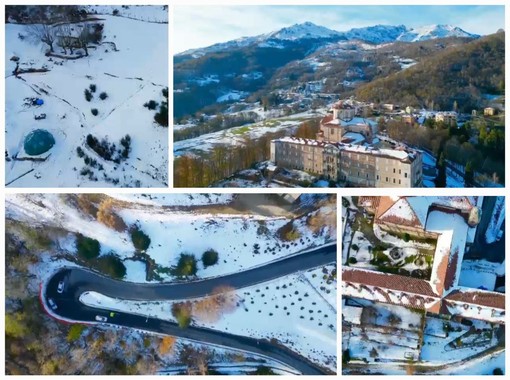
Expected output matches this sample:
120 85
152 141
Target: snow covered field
294 307
174 200
233 237
237 135
130 66
242 241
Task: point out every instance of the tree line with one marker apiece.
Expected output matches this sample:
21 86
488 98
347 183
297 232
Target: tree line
223 161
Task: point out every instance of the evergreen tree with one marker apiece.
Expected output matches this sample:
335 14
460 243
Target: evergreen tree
440 180
468 174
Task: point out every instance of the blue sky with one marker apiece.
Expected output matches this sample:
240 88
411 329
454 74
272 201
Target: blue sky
199 26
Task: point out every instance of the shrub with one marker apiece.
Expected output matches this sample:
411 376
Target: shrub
94 111
288 232
80 152
75 332
115 12
182 312
210 257
352 260
126 144
186 266
15 325
263 370
151 104
103 95
88 95
166 345
92 87
355 247
87 248
346 357
140 240
103 148
162 116
112 266
497 371
407 237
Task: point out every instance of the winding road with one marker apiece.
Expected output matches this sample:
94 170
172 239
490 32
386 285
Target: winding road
78 281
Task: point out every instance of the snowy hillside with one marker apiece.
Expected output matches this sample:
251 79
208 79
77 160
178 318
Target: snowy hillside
304 30
431 32
122 72
376 34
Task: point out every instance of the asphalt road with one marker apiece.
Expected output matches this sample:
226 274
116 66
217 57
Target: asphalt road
78 280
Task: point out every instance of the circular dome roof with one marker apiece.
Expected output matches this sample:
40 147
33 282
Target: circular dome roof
38 142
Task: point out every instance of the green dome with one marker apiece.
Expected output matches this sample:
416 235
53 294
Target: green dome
38 142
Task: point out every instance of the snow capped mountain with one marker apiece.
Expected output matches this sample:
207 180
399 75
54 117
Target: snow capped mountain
432 32
296 32
304 30
376 34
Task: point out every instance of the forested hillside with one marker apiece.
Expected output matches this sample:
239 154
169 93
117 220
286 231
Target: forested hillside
462 74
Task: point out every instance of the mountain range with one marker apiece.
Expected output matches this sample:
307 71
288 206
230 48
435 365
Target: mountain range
373 34
210 79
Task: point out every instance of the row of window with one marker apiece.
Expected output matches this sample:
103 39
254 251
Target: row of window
394 180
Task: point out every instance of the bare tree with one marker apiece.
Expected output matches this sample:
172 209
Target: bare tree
196 359
84 38
42 33
210 309
64 37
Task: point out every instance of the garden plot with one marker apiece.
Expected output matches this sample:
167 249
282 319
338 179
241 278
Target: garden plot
296 312
129 75
372 248
379 314
387 332
449 342
369 346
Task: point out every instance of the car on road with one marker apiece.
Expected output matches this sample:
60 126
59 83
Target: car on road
100 318
52 303
60 287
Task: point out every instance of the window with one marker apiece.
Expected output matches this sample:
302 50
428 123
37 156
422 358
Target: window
405 175
393 180
399 182
399 171
332 131
386 179
393 170
378 177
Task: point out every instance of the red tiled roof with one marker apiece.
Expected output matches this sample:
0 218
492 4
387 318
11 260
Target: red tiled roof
388 281
395 218
478 297
327 119
384 204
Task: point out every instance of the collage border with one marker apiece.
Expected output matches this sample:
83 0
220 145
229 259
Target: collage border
172 5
